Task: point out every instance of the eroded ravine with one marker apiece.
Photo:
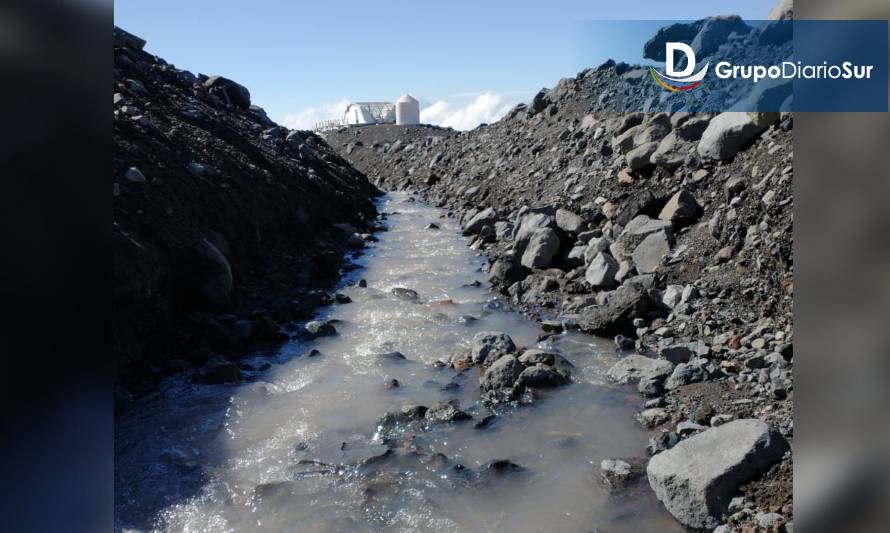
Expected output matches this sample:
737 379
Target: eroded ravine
295 446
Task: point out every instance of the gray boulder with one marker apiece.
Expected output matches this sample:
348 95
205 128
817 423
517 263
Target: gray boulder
560 364
726 134
671 151
681 209
616 314
694 371
637 367
489 345
483 218
636 230
648 255
446 412
569 222
715 31
639 157
601 272
542 246
502 374
540 376
697 478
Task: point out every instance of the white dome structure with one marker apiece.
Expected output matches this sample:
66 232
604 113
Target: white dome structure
407 110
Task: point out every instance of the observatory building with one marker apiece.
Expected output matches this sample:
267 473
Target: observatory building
407 110
369 113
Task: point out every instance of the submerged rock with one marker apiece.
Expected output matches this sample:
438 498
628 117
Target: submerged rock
489 345
502 374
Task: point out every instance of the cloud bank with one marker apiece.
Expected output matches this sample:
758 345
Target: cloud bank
484 108
306 119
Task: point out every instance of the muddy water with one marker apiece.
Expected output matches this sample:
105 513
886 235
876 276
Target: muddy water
295 447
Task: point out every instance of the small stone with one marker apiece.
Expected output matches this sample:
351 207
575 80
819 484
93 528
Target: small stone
134 175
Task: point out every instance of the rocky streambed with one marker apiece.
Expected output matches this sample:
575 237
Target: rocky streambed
419 402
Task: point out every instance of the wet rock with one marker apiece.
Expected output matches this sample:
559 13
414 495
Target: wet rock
636 367
391 357
539 376
506 272
446 412
617 474
414 412
542 247
490 345
616 315
600 274
408 295
652 417
502 374
661 442
317 328
560 364
341 298
431 225
220 371
682 209
696 479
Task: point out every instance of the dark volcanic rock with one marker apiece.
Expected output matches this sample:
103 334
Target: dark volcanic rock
616 316
210 215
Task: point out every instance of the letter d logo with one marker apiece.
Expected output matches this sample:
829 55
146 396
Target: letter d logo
670 48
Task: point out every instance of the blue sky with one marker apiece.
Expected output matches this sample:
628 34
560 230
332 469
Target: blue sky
467 61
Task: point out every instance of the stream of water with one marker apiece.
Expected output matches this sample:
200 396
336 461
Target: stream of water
295 447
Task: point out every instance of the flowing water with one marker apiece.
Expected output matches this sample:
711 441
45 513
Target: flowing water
295 447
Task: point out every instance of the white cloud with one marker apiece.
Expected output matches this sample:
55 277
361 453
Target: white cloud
306 119
485 108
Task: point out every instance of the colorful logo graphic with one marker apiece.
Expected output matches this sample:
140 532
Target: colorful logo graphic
683 80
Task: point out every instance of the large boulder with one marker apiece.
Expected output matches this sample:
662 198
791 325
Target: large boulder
671 151
616 314
682 209
714 32
502 374
236 93
639 157
681 31
601 272
726 134
636 367
542 247
696 479
486 217
490 345
540 376
640 227
207 274
569 222
648 255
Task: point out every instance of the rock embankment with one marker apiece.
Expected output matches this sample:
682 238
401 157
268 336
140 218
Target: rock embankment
671 231
225 223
